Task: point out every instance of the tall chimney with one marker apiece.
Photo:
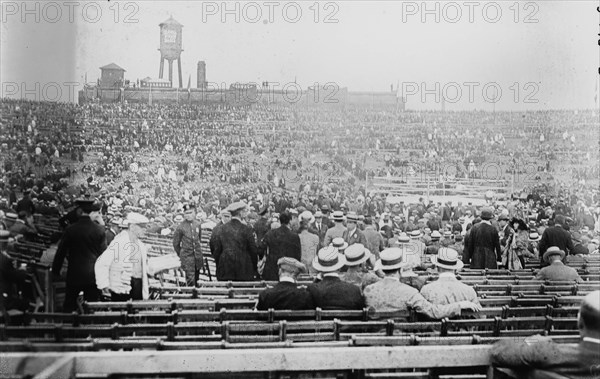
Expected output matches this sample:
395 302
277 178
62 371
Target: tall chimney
201 81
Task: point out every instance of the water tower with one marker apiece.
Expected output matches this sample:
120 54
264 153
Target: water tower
170 47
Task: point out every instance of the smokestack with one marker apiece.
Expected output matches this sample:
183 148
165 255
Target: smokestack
201 81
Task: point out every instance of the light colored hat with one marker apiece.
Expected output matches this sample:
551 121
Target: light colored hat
337 216
534 237
339 243
435 235
307 216
291 265
356 254
553 250
390 259
352 217
318 214
328 259
178 218
447 258
237 206
415 234
447 234
403 238
136 218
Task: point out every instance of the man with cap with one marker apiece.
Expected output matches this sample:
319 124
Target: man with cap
279 243
186 242
286 294
234 247
556 236
389 294
435 244
556 269
122 269
447 289
82 243
332 292
319 227
554 360
482 250
337 230
356 272
352 234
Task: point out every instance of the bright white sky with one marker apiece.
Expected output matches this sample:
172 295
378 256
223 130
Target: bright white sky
368 49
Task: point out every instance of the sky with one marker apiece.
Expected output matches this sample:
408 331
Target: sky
503 55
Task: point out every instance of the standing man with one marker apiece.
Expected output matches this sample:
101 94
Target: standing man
483 247
319 227
82 244
352 234
234 248
338 230
556 236
279 243
186 242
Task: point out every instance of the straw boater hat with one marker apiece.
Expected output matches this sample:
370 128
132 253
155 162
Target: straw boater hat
352 217
134 218
435 235
415 233
337 216
447 258
534 237
390 259
553 250
339 244
403 238
178 218
356 254
328 259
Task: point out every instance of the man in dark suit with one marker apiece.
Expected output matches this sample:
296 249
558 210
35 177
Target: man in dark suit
82 244
332 292
263 224
319 227
483 247
279 243
234 248
352 234
26 204
286 294
556 236
534 354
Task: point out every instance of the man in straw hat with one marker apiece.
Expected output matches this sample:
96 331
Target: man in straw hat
556 269
352 234
82 243
122 269
389 294
286 294
338 230
447 289
356 258
534 353
234 247
332 292
482 249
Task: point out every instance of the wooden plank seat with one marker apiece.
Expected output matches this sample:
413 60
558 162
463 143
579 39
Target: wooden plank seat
135 306
564 326
526 326
413 340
